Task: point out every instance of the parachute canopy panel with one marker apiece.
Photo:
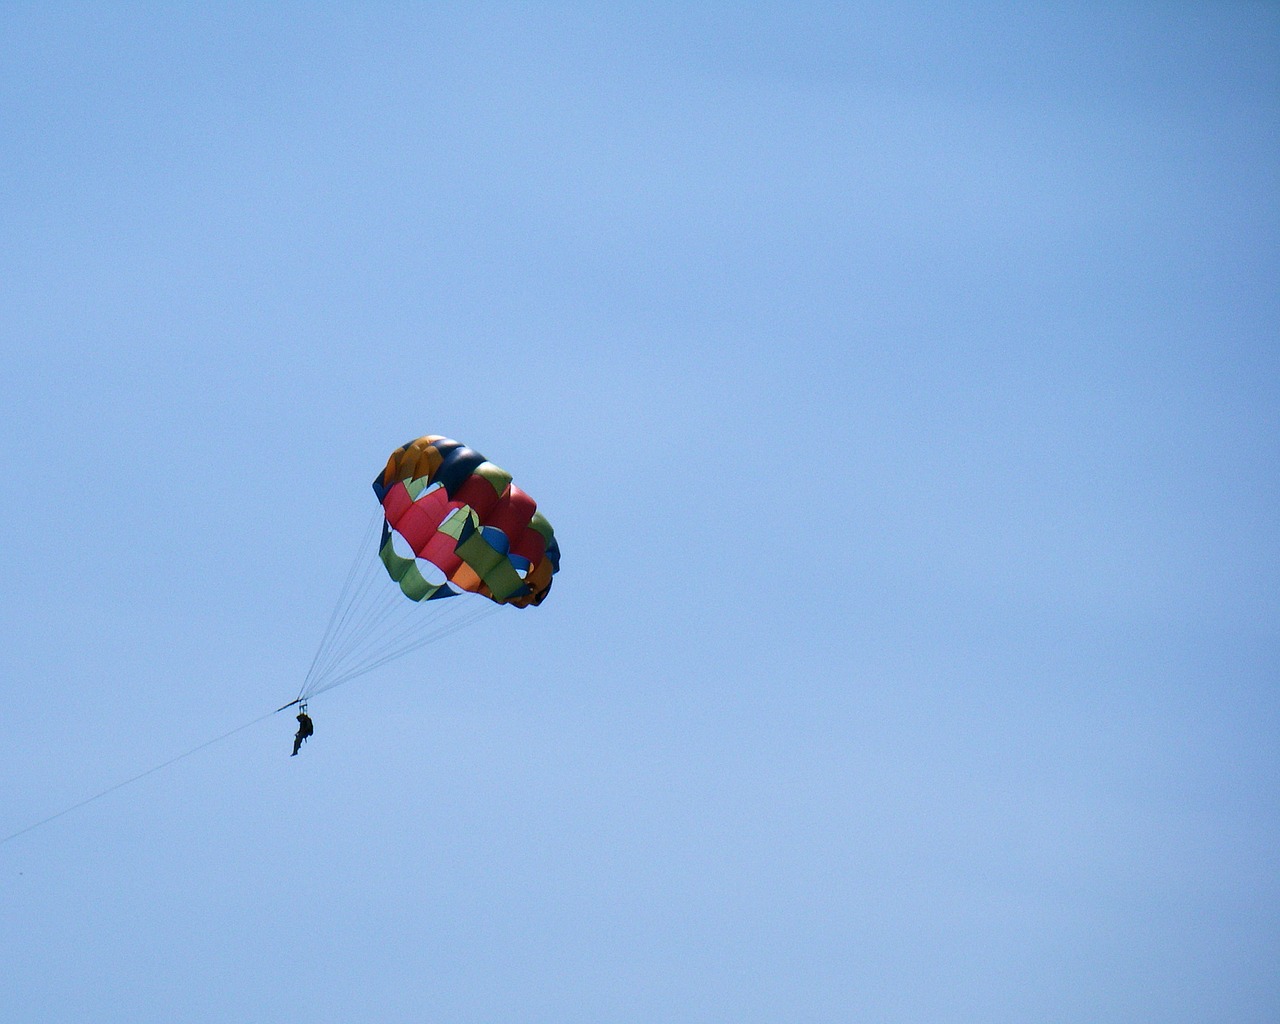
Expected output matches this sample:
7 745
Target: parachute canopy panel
463 516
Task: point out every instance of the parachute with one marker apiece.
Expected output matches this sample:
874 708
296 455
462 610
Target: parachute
463 515
451 524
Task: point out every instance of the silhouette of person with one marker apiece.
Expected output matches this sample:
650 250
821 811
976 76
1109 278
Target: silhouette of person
305 729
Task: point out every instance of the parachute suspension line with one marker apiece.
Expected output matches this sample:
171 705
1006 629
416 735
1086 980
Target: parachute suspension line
403 619
378 659
372 604
339 606
368 602
347 622
406 635
374 630
373 623
360 559
403 632
461 622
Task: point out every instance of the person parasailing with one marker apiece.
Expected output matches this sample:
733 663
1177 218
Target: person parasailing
305 729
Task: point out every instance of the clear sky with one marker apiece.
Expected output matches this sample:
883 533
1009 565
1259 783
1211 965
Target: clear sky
903 385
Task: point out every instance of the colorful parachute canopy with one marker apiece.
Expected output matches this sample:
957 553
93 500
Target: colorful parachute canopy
463 515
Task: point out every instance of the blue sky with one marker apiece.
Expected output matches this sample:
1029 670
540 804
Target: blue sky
902 384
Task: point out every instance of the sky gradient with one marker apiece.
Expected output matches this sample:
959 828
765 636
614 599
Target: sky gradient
902 384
